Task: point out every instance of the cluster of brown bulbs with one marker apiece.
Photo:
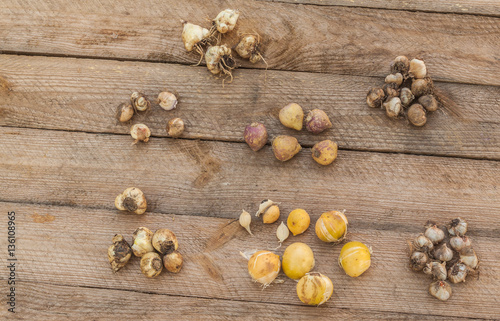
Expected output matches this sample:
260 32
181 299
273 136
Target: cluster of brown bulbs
408 91
218 57
285 147
445 253
139 103
157 250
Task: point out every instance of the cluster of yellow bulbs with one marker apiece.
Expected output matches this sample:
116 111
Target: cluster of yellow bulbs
313 288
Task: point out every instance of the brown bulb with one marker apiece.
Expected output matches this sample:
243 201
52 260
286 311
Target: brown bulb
173 262
175 127
375 97
416 115
124 112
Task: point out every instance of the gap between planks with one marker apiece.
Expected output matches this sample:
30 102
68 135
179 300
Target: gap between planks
442 7
303 145
206 308
449 44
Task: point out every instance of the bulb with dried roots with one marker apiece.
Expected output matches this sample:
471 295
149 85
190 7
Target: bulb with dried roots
249 48
220 60
194 37
226 20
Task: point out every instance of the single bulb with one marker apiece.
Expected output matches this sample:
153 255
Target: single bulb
422 243
151 264
331 227
133 200
298 260
418 260
457 227
314 288
264 266
173 262
298 221
119 253
440 290
142 241
435 234
443 253
355 258
437 270
165 241
245 220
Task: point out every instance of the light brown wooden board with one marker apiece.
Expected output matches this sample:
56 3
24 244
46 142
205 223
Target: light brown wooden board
338 40
382 190
480 7
82 95
49 301
69 249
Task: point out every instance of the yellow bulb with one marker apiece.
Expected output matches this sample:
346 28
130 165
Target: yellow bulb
331 226
271 215
355 258
314 288
298 221
264 267
298 260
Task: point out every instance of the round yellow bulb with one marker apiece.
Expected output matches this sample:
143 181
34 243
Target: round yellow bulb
264 267
314 288
298 260
298 221
355 258
271 215
331 226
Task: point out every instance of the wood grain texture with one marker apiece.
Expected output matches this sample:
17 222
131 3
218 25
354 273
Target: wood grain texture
82 95
55 302
338 40
480 7
218 179
71 251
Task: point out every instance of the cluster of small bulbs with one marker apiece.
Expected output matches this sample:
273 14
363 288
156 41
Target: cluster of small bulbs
313 288
285 147
445 253
408 90
139 103
218 57
157 250
144 241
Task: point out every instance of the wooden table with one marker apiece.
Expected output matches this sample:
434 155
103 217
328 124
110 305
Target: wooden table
66 65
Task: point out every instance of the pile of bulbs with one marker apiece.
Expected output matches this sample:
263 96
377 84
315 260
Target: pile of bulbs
285 147
139 103
445 253
218 57
313 288
157 251
408 90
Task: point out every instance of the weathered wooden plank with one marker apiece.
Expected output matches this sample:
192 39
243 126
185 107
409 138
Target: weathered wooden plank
480 7
339 40
70 249
218 179
81 94
49 301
